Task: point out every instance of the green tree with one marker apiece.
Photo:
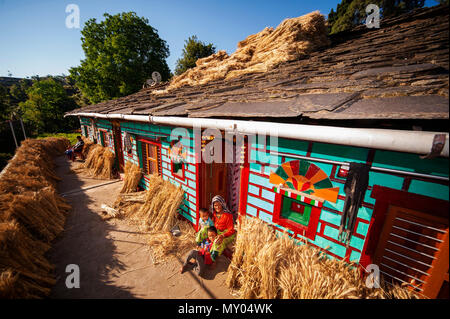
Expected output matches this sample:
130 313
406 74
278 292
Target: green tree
192 51
45 107
121 53
4 102
350 13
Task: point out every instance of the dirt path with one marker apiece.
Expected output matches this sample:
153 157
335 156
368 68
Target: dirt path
113 256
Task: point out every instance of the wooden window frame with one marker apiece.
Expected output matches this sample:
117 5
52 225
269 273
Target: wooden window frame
388 198
145 165
104 141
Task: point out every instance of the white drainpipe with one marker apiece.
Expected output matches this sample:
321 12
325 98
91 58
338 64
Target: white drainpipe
418 142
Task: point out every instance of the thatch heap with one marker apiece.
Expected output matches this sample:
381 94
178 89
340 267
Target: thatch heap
268 266
99 161
292 39
32 214
156 211
133 175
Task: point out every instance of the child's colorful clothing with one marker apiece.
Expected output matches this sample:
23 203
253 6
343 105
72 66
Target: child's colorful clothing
202 224
208 251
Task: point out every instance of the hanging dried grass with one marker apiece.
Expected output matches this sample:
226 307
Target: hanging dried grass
32 214
267 266
292 39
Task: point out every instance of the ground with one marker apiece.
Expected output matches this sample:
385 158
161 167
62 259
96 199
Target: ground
113 256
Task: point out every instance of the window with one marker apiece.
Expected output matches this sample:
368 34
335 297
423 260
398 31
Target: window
150 157
177 154
297 212
178 169
104 138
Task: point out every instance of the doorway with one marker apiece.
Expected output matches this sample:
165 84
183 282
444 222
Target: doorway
118 145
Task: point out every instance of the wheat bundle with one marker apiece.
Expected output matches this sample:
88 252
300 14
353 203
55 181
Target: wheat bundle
269 266
165 245
133 175
292 39
162 200
156 211
87 146
98 164
32 214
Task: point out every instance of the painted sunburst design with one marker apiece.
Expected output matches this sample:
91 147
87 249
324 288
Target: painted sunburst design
305 177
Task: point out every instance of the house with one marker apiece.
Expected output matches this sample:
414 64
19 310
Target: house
374 97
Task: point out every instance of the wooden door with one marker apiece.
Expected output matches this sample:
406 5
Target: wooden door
413 249
118 145
213 182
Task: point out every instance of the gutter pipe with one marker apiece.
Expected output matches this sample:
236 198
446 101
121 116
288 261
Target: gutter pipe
418 142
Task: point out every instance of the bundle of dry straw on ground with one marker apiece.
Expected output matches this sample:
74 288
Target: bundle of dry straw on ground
32 214
156 211
99 161
267 266
133 175
292 39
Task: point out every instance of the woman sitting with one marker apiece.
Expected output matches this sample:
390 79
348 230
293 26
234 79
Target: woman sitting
223 221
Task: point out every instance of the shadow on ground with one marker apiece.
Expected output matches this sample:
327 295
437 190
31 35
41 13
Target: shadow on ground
85 242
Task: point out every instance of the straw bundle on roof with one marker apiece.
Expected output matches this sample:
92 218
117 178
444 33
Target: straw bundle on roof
267 266
292 39
32 214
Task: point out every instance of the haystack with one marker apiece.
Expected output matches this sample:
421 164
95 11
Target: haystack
133 175
293 39
268 266
156 211
32 214
99 162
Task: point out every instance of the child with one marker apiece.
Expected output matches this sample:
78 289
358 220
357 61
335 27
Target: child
205 219
205 254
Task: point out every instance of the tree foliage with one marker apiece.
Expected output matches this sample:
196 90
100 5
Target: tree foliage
45 107
121 52
192 51
350 13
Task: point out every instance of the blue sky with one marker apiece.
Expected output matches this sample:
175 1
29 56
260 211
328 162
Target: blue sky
35 40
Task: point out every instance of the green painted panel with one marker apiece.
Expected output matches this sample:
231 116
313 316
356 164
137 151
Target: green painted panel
326 183
339 152
411 162
300 218
429 189
304 165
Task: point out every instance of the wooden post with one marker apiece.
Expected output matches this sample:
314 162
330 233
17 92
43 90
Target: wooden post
14 135
23 129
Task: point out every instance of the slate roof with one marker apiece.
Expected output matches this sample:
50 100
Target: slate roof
399 71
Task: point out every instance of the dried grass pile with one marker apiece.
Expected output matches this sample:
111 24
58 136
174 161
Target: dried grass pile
164 245
156 211
99 162
267 266
292 39
133 175
32 214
